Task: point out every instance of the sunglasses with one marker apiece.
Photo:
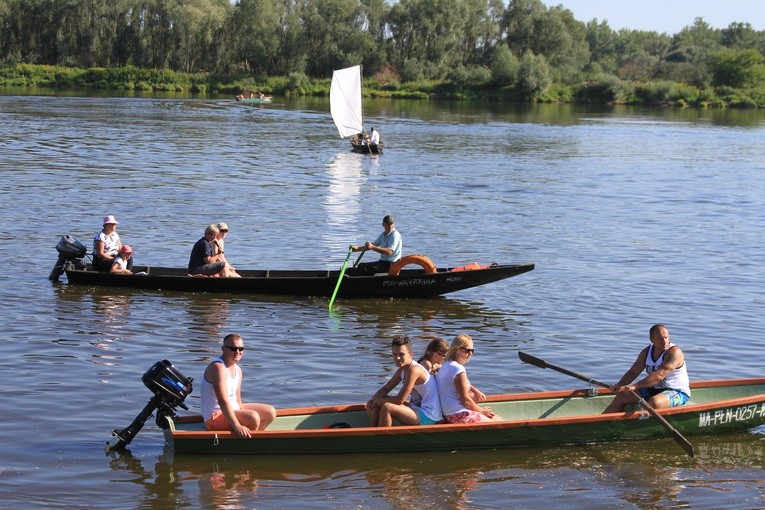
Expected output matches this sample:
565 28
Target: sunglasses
224 230
234 349
469 351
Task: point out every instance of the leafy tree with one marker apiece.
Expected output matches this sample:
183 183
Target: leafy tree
554 33
601 41
739 36
533 76
737 68
505 66
694 43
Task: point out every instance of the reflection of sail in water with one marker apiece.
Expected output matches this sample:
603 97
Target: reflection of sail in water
343 199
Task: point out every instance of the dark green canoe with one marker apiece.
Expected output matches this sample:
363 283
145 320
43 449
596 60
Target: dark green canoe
531 419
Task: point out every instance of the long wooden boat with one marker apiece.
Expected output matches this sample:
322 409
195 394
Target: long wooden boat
255 100
556 418
409 283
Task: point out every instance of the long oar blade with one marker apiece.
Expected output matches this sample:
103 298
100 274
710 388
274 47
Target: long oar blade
340 278
677 436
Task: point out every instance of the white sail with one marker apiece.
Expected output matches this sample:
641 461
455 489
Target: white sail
345 101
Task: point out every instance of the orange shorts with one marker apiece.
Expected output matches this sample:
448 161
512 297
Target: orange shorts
217 422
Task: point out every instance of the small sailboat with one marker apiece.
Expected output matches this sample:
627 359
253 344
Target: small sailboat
345 105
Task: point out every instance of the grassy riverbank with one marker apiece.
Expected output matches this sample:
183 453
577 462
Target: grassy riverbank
608 90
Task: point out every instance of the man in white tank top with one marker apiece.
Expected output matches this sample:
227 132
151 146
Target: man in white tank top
222 407
666 384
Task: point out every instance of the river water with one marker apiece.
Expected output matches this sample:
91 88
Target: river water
632 217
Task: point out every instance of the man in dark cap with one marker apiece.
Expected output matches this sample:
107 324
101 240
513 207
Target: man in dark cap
388 244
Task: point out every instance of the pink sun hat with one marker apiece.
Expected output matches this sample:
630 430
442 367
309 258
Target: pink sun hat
110 219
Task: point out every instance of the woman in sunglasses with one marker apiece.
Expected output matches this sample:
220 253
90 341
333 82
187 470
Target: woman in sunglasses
222 406
458 398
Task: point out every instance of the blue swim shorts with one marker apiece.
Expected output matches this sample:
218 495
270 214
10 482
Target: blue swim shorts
424 419
676 397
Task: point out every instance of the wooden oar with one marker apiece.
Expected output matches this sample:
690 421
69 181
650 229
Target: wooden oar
355 264
677 436
340 278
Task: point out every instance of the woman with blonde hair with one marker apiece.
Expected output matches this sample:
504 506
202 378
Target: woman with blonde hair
458 397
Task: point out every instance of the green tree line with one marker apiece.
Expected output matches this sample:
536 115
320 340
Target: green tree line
472 48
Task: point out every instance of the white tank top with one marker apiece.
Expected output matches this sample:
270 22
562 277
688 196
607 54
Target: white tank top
676 380
209 402
425 396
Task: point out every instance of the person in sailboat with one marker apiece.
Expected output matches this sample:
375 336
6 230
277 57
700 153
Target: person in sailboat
374 138
388 244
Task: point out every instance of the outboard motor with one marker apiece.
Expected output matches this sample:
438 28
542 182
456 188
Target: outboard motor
170 388
70 250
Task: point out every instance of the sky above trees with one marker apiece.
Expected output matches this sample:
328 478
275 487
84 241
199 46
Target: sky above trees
669 16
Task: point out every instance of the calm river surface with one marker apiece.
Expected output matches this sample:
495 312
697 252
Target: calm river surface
632 216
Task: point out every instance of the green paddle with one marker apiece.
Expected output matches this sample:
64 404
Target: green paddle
359 259
340 278
677 436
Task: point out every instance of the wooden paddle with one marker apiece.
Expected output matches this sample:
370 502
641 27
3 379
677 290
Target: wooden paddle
677 436
340 278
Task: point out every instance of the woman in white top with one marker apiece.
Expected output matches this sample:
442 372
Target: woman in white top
458 398
423 408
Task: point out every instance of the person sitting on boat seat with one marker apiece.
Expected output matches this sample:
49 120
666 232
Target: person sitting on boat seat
459 399
388 244
120 264
666 384
222 406
106 246
374 139
435 354
419 386
204 261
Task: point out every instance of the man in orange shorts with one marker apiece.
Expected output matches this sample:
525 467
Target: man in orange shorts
222 407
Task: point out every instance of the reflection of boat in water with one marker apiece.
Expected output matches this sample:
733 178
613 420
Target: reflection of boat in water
345 104
557 418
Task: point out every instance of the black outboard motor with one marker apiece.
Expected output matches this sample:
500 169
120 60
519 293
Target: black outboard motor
170 388
70 250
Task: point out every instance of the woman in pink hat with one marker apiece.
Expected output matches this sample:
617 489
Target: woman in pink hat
106 246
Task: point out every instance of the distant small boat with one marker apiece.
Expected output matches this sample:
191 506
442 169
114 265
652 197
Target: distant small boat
555 418
255 100
346 108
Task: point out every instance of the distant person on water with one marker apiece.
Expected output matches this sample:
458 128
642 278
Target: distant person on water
435 354
459 399
121 261
222 406
374 139
106 246
666 384
418 385
204 261
219 243
388 244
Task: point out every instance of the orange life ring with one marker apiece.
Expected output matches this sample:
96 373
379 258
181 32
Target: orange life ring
421 260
